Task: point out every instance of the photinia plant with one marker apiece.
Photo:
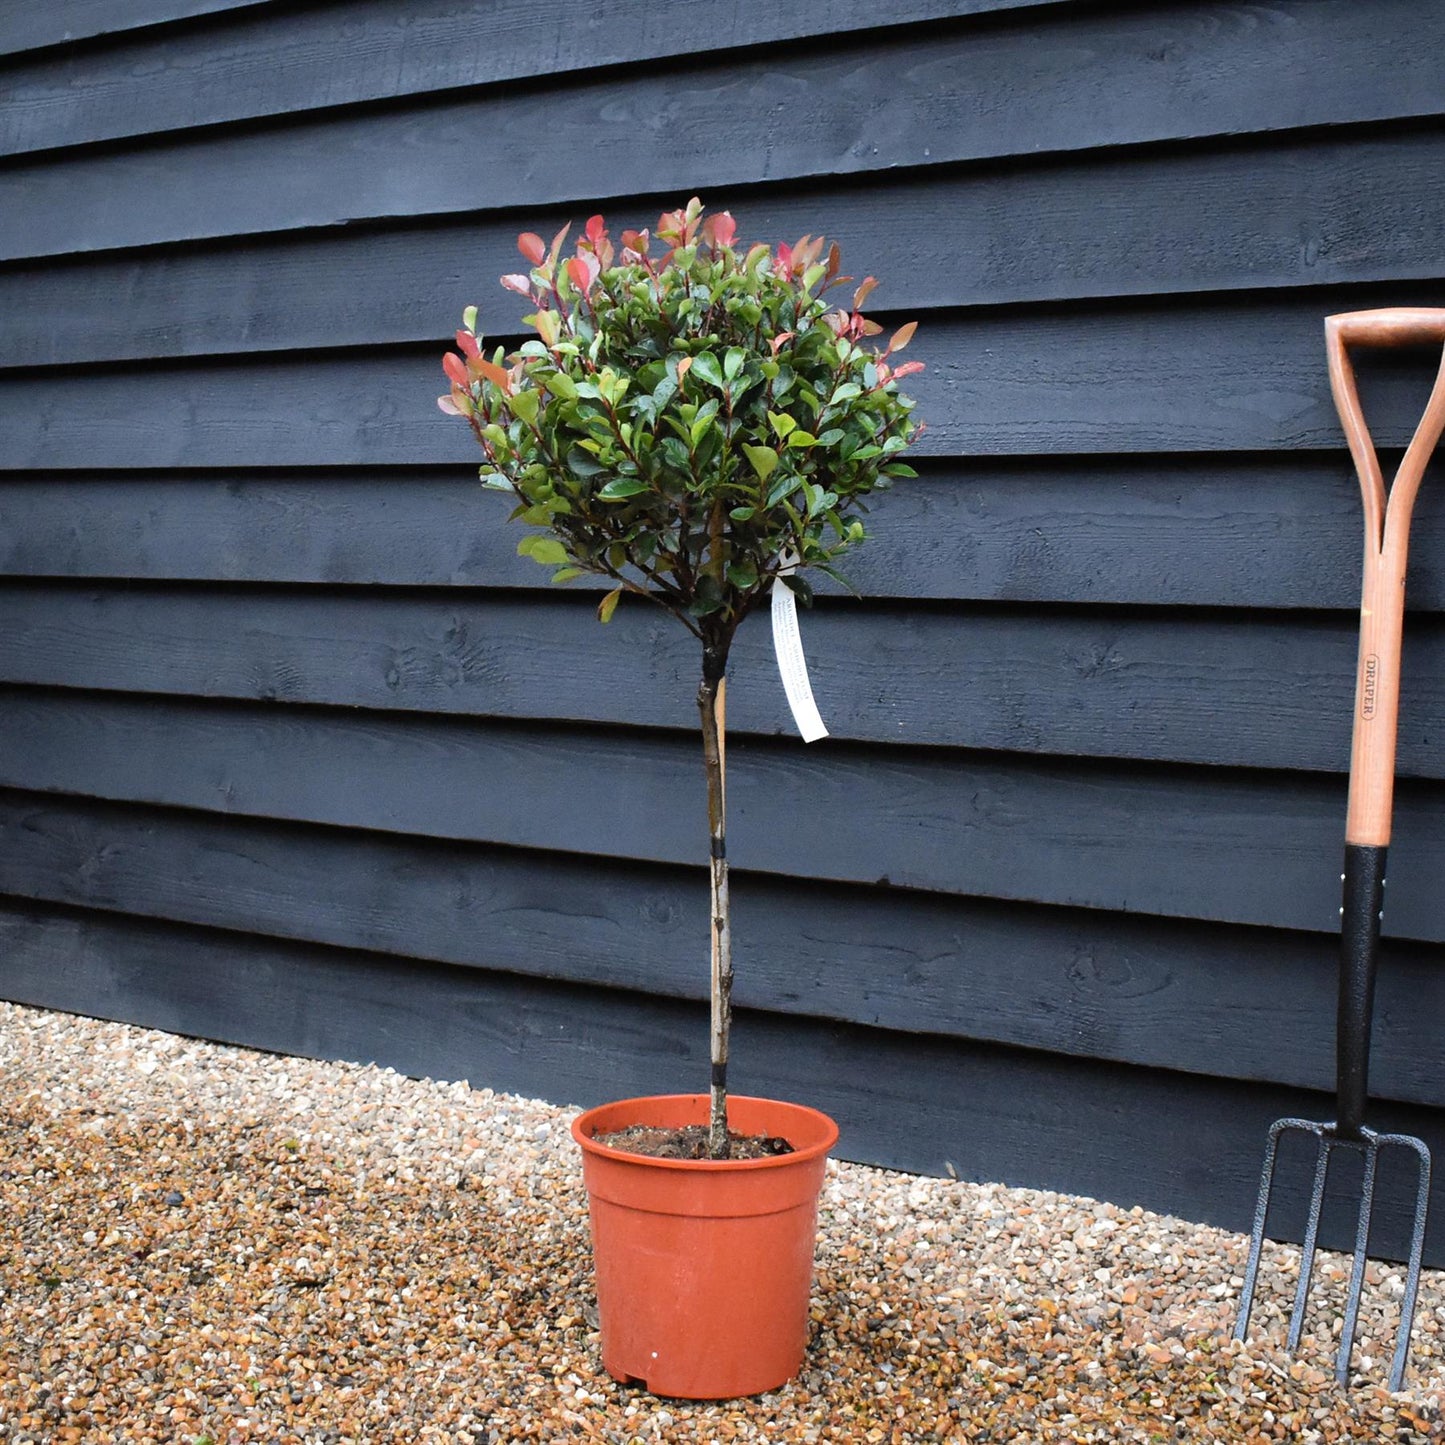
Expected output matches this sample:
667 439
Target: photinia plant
695 423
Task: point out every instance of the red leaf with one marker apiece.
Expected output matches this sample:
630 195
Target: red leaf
778 340
557 241
455 368
720 230
864 292
448 406
584 271
497 375
522 285
785 259
596 229
532 247
636 241
907 369
468 343
902 336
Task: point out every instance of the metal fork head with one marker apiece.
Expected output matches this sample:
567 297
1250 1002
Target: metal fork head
1368 1144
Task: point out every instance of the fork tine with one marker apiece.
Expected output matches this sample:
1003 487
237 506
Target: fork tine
1417 1250
1256 1238
1357 1272
1307 1249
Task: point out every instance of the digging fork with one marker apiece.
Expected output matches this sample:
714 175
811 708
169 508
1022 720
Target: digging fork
1367 837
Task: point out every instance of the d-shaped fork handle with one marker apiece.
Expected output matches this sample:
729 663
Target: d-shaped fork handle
1387 538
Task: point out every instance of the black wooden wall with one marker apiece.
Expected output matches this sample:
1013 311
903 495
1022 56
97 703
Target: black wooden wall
296 752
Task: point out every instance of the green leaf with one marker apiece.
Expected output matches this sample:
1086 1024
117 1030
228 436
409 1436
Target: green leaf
784 488
781 425
709 596
566 574
733 362
742 574
704 364
800 587
675 455
838 577
802 438
702 421
743 514
581 465
560 384
764 460
620 488
546 550
469 318
523 404
608 605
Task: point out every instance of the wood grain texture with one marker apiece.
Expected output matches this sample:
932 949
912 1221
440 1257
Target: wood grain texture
1214 689
1142 377
1233 1002
63 22
1057 81
1171 1142
1297 212
1226 531
284 60
1209 844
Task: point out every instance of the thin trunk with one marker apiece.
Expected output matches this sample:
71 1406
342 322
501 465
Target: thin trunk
712 704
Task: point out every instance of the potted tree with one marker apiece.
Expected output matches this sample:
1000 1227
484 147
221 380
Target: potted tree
697 424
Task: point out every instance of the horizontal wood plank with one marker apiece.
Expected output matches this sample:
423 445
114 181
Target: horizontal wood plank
1233 1002
1227 531
287 59
1207 844
1214 689
1056 81
63 22
1091 380
1302 212
926 1105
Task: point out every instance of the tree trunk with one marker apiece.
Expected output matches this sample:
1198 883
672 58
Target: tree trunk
711 702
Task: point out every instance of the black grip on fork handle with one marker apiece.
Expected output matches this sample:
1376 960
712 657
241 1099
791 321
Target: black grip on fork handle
1364 901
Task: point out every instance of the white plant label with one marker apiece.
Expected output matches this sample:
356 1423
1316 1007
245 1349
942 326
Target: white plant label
792 665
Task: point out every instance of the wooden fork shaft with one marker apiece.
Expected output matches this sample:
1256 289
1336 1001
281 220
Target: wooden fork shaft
1387 536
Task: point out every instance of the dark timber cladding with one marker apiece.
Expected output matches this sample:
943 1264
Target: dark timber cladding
298 753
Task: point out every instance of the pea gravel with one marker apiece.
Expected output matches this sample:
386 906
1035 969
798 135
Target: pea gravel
204 1245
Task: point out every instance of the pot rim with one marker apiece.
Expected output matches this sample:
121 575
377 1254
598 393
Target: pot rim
805 1155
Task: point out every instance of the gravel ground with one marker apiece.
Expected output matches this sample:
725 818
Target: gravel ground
208 1245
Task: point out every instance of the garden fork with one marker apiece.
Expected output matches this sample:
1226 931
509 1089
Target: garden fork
1367 835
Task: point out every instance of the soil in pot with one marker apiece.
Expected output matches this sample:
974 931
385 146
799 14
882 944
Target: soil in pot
690 1142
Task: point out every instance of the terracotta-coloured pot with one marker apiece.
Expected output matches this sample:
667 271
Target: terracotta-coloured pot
704 1267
